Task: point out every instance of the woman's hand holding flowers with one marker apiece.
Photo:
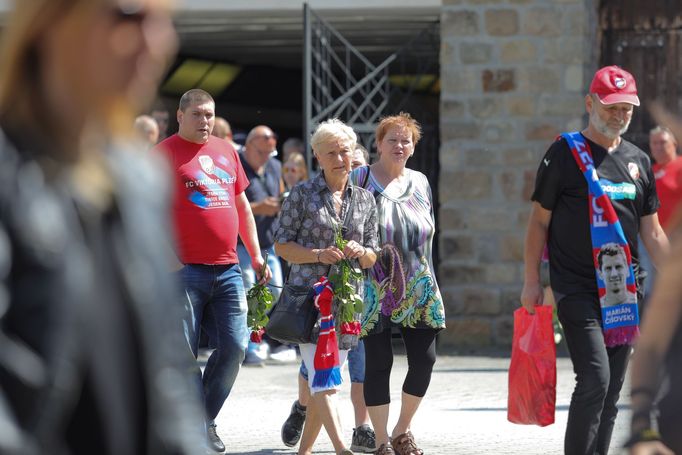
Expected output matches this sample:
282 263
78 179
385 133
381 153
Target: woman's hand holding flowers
330 255
354 250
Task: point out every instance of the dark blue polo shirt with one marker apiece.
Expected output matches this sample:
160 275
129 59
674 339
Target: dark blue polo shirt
260 188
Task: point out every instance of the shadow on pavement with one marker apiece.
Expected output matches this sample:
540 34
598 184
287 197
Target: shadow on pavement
563 407
265 451
470 370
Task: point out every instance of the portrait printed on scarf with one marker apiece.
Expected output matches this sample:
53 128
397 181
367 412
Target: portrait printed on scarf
614 271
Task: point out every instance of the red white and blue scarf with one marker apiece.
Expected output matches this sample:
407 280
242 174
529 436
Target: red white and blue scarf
326 360
620 321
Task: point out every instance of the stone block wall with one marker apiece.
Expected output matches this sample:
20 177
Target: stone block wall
513 74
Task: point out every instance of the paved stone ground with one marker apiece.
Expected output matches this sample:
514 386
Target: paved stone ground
464 411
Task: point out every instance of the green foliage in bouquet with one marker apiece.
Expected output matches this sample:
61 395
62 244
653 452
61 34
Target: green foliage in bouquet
344 292
259 299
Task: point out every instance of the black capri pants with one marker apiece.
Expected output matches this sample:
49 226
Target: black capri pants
420 345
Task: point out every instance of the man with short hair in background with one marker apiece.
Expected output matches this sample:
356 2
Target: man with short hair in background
223 130
210 210
667 171
360 156
162 117
265 174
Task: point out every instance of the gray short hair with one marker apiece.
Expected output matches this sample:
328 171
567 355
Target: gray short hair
333 129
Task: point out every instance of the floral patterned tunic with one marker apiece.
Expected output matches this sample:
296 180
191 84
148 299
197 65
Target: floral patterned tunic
401 288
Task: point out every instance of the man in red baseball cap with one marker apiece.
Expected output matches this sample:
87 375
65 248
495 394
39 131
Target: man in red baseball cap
612 84
567 216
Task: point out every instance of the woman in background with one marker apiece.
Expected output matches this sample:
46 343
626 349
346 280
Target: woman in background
294 171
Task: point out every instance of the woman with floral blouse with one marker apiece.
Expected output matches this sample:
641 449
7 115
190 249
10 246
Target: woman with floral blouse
312 215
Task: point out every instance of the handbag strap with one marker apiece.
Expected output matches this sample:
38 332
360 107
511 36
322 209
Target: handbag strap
366 170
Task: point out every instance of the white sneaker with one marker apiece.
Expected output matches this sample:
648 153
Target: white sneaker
283 354
262 351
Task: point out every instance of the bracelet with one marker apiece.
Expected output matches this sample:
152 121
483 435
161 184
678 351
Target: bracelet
319 251
646 435
364 252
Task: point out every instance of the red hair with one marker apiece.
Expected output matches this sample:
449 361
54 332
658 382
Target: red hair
402 120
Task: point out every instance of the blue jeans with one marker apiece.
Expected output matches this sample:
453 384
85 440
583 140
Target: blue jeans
356 364
218 306
249 275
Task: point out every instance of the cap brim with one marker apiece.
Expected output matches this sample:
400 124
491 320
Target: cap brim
614 98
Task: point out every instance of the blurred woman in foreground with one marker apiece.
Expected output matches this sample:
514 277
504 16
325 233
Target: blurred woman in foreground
92 358
659 349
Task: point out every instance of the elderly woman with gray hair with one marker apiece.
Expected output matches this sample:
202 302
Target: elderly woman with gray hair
311 217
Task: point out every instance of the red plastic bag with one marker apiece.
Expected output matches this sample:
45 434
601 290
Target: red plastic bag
532 372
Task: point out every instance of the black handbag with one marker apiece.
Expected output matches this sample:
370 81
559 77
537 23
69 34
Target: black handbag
294 315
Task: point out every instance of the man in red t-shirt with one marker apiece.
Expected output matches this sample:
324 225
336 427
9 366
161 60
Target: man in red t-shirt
667 171
210 209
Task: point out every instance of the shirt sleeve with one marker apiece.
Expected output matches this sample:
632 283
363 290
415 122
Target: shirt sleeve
548 177
651 202
359 176
290 217
242 180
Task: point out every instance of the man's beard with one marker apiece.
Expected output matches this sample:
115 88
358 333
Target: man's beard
604 128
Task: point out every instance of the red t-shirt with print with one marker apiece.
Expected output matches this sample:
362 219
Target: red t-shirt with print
669 188
207 179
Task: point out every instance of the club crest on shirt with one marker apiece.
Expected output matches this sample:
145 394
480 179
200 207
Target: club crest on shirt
206 163
634 170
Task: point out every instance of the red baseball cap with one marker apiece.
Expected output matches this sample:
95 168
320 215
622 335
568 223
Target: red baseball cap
612 84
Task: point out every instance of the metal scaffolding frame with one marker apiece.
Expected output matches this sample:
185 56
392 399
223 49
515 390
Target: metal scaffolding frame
340 82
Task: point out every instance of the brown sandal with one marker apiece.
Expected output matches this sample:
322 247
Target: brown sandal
385 449
404 445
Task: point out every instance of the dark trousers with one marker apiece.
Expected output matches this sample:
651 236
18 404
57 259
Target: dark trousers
420 346
599 372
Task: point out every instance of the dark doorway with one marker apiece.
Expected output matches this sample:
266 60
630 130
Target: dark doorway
645 38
